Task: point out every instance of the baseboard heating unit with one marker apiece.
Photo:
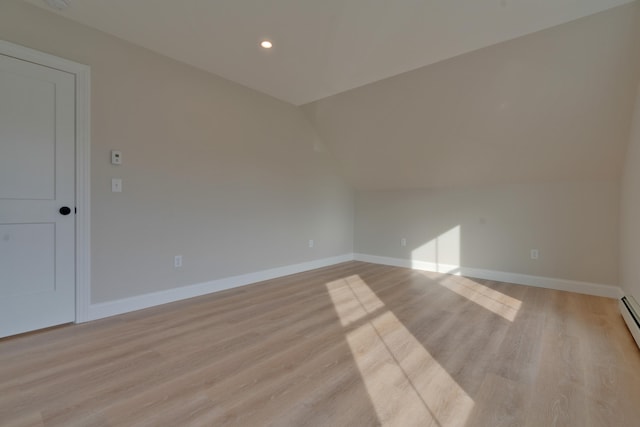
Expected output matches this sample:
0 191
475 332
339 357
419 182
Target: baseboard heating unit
631 313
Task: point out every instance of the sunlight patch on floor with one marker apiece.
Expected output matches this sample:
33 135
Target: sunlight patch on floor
406 385
490 299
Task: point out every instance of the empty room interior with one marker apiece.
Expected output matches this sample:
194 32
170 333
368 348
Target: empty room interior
320 213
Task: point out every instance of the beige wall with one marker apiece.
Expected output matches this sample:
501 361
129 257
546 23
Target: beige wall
630 222
572 224
229 178
549 106
529 134
516 146
630 206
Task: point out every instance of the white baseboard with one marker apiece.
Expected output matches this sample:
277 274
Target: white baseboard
609 291
112 308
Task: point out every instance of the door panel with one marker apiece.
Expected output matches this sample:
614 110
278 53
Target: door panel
37 177
27 256
27 169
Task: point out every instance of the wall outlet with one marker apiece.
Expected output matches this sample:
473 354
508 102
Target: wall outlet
535 254
403 242
311 243
177 261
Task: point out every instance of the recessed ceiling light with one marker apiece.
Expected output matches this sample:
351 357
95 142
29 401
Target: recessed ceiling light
266 44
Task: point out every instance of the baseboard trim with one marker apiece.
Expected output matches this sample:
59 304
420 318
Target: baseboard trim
596 289
126 305
139 302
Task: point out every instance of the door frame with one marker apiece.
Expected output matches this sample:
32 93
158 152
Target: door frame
82 75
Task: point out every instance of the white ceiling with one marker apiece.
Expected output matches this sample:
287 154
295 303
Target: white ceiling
321 47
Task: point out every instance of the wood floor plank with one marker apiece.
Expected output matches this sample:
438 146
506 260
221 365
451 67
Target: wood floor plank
353 344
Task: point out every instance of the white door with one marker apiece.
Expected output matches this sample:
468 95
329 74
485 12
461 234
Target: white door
37 179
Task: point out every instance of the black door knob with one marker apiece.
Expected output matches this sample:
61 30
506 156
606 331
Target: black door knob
65 210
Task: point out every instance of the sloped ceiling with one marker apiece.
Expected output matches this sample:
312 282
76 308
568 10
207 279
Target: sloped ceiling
322 47
554 105
417 93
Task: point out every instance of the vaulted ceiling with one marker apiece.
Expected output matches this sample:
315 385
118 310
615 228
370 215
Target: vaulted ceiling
321 47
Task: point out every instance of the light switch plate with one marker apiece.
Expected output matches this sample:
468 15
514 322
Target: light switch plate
116 185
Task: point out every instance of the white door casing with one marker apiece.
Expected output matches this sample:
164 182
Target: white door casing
44 165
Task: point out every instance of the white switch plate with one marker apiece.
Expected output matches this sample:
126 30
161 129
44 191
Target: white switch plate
535 254
116 185
116 157
403 242
177 261
311 243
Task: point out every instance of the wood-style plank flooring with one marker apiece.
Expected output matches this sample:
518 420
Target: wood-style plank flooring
354 344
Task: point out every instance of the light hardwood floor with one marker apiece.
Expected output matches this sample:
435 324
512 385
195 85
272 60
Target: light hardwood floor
350 345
